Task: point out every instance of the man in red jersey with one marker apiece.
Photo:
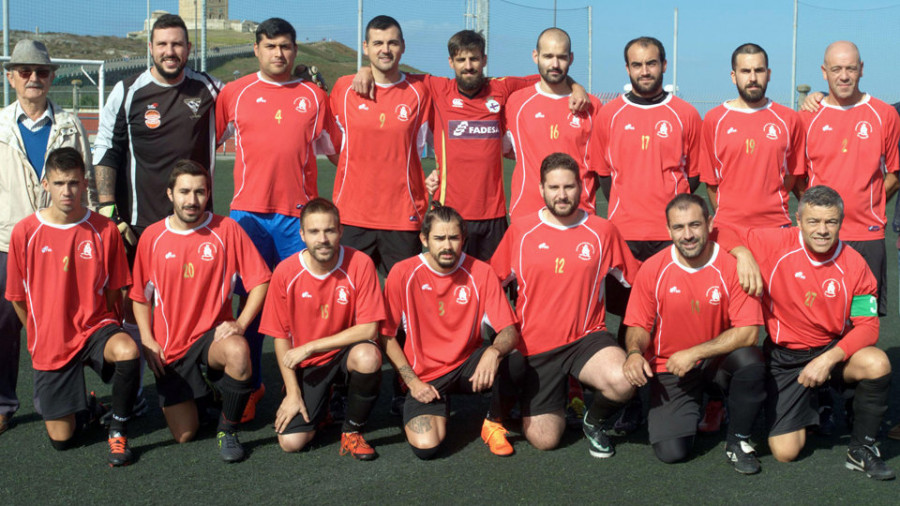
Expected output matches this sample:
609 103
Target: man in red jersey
648 145
186 267
689 324
753 149
560 257
379 185
66 270
851 146
539 122
467 122
323 308
820 309
442 297
278 123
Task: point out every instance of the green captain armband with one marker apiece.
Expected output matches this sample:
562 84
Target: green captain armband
864 305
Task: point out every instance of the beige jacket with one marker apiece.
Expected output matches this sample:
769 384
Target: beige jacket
20 190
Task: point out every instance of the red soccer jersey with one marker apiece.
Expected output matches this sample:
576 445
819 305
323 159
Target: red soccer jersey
276 126
468 145
302 306
650 151
379 182
683 307
442 313
808 296
747 153
189 277
850 149
62 273
560 273
539 124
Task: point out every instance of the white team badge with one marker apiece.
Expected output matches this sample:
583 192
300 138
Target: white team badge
402 112
831 287
713 295
194 105
585 251
457 102
492 105
863 128
86 250
574 121
462 294
342 296
301 104
663 128
207 251
772 131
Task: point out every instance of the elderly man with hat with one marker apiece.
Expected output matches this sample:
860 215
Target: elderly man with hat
30 127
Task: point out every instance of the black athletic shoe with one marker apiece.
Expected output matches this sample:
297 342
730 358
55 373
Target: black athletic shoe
397 405
630 420
826 421
601 446
229 447
868 460
742 457
119 452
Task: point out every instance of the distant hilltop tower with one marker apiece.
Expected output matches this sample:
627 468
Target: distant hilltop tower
189 10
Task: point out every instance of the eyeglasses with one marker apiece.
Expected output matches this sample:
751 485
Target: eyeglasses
25 73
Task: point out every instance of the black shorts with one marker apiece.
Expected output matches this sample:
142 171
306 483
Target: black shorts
454 382
183 380
876 257
789 405
385 247
545 387
483 237
616 294
675 402
62 392
315 387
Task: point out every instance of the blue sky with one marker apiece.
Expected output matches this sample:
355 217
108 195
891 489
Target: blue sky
706 35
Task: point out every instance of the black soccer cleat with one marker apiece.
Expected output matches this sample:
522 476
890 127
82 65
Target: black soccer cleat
868 460
601 445
743 457
229 447
119 452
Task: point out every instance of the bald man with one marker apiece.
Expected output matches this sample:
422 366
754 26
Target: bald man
851 146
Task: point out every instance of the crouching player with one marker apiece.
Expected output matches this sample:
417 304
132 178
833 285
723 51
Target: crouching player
65 273
323 309
186 267
441 297
704 329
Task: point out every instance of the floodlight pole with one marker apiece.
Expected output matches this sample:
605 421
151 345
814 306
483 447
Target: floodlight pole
5 48
675 57
794 63
203 37
149 28
590 48
359 34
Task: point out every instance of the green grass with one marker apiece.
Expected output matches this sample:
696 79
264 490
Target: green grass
33 473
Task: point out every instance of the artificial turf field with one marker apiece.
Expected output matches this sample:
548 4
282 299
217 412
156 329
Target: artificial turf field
31 472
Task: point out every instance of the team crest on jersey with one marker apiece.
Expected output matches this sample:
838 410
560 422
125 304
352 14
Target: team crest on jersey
457 103
492 105
402 112
462 294
207 251
574 121
152 117
831 288
86 250
301 104
585 251
772 131
863 129
713 295
663 128
194 105
343 296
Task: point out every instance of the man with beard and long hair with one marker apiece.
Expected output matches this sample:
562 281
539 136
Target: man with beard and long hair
560 257
184 273
689 324
323 308
539 122
442 297
752 149
149 122
649 145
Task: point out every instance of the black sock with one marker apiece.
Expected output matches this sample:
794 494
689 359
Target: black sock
746 395
362 392
126 381
505 391
601 409
235 394
869 406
